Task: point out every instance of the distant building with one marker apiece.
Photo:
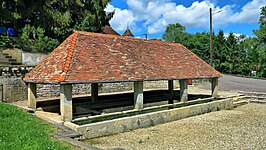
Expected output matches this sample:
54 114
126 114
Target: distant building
109 30
128 33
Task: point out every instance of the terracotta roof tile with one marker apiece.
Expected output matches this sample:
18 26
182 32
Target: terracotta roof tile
93 57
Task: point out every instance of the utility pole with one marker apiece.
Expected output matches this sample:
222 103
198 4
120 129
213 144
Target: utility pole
211 36
146 36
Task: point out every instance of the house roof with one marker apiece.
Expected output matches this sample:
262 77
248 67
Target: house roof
128 33
86 57
109 30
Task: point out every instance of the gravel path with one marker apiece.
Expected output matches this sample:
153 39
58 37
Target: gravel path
241 128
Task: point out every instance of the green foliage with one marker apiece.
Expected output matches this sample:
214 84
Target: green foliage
58 18
174 33
5 42
33 39
231 54
260 43
21 130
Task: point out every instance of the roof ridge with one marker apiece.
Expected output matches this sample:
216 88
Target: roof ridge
118 36
70 52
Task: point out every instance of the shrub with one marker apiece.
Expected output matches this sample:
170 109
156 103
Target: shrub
33 39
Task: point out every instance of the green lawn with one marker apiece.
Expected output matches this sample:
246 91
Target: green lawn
21 130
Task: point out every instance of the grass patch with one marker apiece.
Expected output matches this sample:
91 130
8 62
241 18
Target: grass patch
20 130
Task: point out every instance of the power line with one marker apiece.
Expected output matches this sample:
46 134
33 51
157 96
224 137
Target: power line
201 17
195 19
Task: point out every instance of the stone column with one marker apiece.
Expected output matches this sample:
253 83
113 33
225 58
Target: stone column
183 90
171 91
138 95
32 95
66 107
94 92
214 82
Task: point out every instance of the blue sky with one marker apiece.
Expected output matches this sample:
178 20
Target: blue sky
152 16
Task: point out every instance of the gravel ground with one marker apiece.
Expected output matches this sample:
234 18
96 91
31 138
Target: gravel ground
241 128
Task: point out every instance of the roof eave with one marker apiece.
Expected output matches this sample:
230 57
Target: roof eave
133 80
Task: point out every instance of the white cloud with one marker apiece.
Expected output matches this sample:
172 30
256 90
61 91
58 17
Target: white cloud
249 13
121 19
155 15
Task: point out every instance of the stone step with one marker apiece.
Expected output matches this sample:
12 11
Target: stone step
239 103
12 60
258 101
7 56
254 94
4 61
240 98
16 63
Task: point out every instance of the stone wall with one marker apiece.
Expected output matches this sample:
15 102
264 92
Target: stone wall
32 58
14 88
53 90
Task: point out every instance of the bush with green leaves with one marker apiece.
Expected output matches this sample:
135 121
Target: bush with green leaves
32 39
5 42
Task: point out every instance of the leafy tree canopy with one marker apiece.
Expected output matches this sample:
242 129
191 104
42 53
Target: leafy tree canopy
57 18
231 54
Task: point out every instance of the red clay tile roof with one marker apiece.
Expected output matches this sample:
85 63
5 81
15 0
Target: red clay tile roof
91 57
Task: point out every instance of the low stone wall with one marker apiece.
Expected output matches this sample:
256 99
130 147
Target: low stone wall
32 58
15 89
125 124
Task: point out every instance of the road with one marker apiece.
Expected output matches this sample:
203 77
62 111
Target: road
235 84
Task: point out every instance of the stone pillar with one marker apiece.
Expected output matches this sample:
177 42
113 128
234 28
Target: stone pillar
183 90
32 95
214 82
171 91
94 92
66 107
138 95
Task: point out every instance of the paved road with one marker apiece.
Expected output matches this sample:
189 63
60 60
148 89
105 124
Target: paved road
235 84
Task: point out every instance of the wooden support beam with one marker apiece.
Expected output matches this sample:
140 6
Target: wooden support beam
138 95
214 82
171 91
94 92
32 95
183 90
66 107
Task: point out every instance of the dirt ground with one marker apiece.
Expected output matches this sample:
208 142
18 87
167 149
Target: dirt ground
241 128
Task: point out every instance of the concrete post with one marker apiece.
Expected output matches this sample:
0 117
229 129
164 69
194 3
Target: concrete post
138 95
32 95
66 107
171 91
94 92
183 90
214 87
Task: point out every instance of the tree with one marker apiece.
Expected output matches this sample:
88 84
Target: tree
174 33
260 42
219 51
57 18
